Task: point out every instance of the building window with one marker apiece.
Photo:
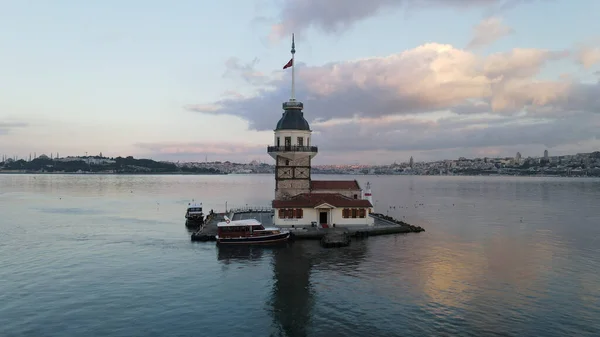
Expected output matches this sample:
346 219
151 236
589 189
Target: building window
287 162
291 213
345 213
356 196
278 143
300 141
354 213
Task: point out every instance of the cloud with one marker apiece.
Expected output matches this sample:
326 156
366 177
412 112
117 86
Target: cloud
199 151
588 56
427 78
430 98
205 107
246 71
488 31
6 127
203 148
453 132
335 16
387 139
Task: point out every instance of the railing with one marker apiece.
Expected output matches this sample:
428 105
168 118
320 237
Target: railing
247 209
292 149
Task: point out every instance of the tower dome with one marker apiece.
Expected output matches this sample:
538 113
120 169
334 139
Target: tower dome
292 117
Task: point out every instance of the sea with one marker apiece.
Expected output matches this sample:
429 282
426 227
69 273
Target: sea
109 255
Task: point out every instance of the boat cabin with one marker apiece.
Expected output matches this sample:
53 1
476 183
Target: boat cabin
247 227
194 211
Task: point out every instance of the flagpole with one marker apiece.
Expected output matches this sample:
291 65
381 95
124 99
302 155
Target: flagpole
293 98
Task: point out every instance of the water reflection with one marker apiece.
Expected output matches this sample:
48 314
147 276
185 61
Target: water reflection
241 253
292 298
294 289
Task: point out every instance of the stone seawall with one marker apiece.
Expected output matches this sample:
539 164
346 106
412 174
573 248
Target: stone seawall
384 225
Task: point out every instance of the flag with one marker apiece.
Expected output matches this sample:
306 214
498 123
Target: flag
289 64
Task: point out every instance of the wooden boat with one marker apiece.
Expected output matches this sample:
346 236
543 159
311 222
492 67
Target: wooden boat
249 231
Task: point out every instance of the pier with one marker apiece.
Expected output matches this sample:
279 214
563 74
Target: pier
384 225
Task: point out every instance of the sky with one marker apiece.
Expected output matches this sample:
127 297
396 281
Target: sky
381 80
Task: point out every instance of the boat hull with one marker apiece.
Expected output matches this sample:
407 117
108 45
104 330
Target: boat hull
255 240
194 223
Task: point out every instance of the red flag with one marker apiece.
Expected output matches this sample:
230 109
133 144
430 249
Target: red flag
289 64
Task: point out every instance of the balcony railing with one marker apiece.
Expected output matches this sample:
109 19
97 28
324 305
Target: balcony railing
292 149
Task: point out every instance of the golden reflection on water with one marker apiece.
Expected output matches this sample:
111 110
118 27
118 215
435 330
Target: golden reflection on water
451 272
509 269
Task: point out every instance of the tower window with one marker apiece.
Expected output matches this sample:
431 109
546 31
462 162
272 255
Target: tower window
287 162
278 143
288 142
300 141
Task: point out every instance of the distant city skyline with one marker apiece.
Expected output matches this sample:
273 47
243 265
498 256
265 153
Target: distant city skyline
380 81
410 161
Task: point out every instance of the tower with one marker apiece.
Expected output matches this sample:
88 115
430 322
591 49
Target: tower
411 162
545 154
368 194
291 147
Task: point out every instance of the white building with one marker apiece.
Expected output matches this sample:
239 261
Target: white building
299 200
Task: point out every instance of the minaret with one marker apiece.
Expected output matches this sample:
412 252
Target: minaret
291 149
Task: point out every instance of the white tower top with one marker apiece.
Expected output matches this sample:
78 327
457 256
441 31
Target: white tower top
368 194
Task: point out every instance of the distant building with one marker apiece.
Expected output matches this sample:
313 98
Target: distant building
518 158
545 154
411 162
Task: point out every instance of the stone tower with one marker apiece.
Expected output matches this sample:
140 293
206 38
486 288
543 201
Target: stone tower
291 148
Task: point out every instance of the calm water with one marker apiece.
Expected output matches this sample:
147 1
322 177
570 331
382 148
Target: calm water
110 256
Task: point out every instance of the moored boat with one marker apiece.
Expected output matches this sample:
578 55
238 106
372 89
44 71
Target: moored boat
249 231
194 216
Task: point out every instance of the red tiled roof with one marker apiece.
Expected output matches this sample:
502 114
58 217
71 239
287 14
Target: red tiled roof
334 185
311 200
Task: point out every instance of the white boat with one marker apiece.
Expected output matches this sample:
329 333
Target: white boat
194 215
249 231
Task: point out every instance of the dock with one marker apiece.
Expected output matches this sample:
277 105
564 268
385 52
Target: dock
336 238
384 225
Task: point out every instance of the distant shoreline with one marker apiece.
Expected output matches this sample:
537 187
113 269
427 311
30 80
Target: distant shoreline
249 174
121 174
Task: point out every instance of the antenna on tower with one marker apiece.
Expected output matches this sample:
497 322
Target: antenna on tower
291 63
293 98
